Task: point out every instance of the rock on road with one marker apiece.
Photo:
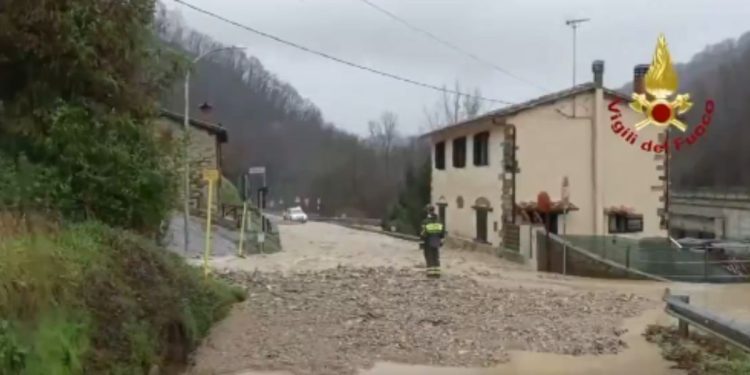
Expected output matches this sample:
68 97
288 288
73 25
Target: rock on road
340 301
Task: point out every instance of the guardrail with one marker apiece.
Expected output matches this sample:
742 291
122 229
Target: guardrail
347 220
731 331
367 225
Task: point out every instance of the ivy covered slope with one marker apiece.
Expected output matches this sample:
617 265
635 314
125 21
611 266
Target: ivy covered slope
90 299
79 81
84 185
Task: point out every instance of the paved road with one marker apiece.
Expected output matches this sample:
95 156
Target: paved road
224 241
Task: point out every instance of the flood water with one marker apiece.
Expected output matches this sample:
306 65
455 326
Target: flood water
333 245
639 357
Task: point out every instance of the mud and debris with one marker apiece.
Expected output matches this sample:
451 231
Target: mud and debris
339 320
698 354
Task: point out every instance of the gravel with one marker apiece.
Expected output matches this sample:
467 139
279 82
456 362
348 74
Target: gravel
339 320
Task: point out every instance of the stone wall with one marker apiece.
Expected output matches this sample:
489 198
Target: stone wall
202 155
464 244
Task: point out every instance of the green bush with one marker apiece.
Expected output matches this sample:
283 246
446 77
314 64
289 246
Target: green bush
229 193
94 300
79 87
407 214
109 168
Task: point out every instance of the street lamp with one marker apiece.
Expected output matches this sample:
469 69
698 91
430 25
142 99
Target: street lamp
186 137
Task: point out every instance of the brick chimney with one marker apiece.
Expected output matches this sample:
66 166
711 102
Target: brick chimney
639 74
206 113
598 68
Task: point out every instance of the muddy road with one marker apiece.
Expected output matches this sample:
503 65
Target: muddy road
341 301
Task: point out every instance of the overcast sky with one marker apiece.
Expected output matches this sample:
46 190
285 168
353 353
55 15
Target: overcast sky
525 37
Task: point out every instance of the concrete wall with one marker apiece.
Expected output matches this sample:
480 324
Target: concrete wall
611 173
470 183
630 176
564 258
726 216
203 155
552 144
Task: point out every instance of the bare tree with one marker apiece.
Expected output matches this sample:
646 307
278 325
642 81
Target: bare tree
472 104
452 104
272 125
452 107
384 134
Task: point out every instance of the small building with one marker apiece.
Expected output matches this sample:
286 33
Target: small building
488 171
205 142
709 214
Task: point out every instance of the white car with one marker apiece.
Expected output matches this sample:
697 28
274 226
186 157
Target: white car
295 214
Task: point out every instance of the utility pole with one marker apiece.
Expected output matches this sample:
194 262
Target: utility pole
573 23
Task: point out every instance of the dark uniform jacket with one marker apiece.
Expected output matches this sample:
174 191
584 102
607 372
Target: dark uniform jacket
432 231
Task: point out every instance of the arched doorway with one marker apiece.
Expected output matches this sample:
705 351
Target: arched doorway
442 203
482 208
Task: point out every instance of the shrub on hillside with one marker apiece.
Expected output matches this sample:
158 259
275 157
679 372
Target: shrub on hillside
88 299
407 214
229 193
110 168
78 84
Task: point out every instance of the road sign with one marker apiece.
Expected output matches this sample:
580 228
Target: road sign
261 237
211 174
256 170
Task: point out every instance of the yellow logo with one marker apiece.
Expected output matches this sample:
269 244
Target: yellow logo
661 83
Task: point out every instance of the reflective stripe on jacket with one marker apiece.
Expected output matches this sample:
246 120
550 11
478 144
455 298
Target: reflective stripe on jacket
433 228
432 232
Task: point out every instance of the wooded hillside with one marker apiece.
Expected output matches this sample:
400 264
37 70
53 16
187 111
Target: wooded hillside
271 124
719 159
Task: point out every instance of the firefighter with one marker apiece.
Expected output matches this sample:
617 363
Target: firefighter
432 234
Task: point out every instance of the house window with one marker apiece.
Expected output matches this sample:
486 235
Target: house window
440 155
459 152
625 223
481 149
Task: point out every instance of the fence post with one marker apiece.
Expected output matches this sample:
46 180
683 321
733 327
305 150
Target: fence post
705 265
682 326
627 257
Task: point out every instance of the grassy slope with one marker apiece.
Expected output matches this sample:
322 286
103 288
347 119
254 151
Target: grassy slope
91 299
699 354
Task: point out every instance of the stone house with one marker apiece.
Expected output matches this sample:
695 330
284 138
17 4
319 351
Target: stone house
205 142
488 171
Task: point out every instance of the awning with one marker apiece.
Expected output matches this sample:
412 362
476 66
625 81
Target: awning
621 210
556 207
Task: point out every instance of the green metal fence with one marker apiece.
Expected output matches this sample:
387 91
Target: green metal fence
655 256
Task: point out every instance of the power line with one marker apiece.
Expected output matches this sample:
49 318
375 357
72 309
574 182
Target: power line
451 45
338 60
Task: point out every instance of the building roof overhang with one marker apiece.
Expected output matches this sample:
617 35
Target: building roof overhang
499 117
214 129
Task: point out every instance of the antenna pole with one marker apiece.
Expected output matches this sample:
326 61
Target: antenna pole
575 52
573 23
